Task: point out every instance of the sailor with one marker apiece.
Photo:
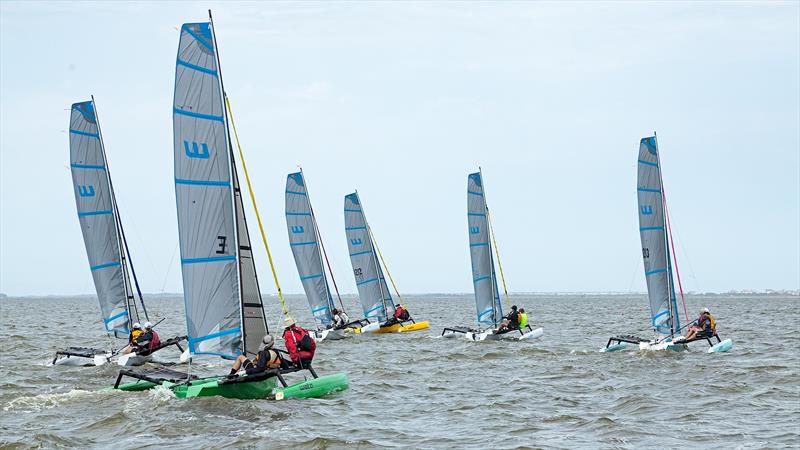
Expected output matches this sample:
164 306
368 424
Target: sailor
135 333
401 314
266 358
510 321
340 319
148 340
706 326
299 344
523 319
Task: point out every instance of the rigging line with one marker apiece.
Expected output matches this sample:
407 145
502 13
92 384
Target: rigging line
321 243
674 255
497 252
255 208
375 241
688 261
169 267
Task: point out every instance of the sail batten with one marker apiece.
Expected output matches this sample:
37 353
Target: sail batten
304 242
95 205
373 291
484 279
652 231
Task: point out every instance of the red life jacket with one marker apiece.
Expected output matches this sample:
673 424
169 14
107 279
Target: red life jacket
293 337
155 342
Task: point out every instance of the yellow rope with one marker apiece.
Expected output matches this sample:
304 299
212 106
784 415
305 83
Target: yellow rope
375 242
255 208
497 252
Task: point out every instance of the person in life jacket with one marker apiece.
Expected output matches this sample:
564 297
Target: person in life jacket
401 314
510 321
523 319
135 333
148 340
299 344
706 326
265 359
340 319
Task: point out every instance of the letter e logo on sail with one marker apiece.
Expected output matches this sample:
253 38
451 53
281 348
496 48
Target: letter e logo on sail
197 151
298 229
646 210
86 191
474 230
356 241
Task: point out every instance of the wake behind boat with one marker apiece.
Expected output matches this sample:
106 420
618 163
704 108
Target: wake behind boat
106 248
224 310
484 277
373 292
656 238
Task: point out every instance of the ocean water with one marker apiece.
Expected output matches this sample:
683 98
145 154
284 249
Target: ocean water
418 390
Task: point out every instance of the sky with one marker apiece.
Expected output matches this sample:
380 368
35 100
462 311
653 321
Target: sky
401 101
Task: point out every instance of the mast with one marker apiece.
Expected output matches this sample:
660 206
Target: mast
123 260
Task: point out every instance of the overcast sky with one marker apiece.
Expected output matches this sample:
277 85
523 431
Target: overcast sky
402 101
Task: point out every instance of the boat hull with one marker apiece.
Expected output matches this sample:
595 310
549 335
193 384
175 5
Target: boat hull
132 359
721 347
314 387
415 327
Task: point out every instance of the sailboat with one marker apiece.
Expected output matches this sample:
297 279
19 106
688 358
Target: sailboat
225 314
484 276
307 248
376 300
658 267
106 246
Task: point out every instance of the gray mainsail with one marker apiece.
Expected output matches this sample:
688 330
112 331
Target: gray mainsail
305 246
224 314
372 289
484 279
653 233
98 220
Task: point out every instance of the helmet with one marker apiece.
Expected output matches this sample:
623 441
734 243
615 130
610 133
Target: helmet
137 326
705 310
267 342
288 321
148 325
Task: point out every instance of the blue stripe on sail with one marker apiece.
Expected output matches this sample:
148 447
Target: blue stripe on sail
298 214
103 266
380 305
475 193
213 335
351 210
651 229
295 192
84 133
361 253
321 308
485 277
647 163
197 115
479 244
208 260
203 182
199 39
354 228
196 67
485 312
648 190
114 317
87 166
94 213
295 244
654 271
476 214
308 277
366 281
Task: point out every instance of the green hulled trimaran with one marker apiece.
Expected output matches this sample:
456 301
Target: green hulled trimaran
106 247
225 314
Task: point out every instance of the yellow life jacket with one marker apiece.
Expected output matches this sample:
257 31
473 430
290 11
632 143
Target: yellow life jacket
135 335
713 322
523 320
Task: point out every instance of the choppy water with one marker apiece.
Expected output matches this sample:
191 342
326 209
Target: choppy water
416 390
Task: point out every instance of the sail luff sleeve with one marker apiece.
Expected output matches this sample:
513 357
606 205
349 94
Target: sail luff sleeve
362 259
652 231
306 248
204 199
97 217
480 249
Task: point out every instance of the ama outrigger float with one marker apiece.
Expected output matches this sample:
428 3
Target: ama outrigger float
308 249
224 310
656 237
484 277
373 291
106 246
